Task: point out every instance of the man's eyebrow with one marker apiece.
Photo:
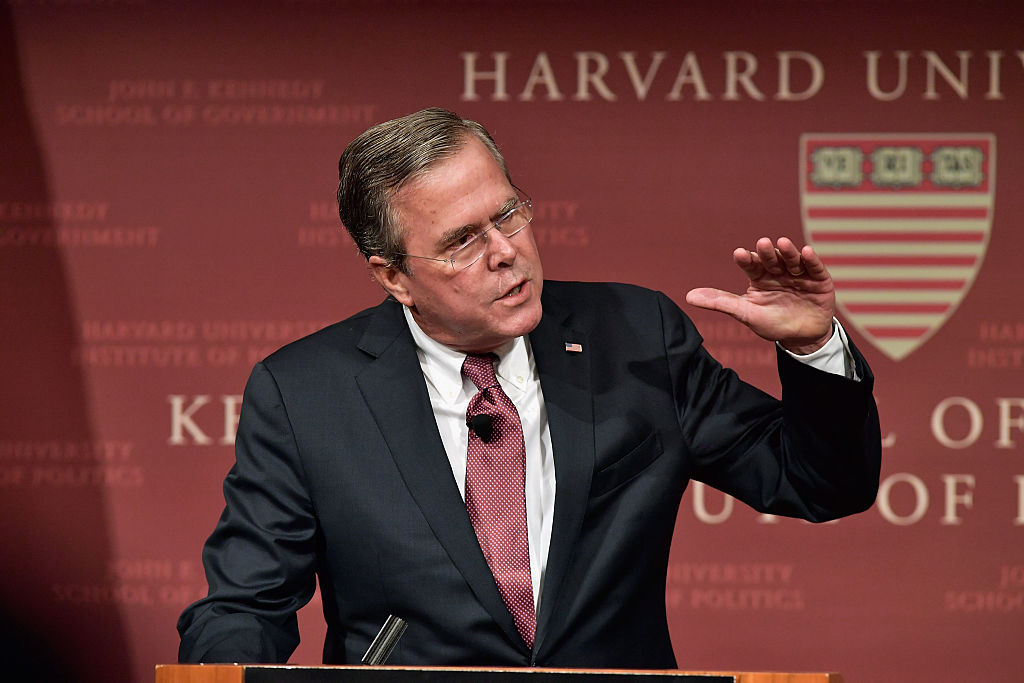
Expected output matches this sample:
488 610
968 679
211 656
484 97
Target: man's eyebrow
453 234
509 204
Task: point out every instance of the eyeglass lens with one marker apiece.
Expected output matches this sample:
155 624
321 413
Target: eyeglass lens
508 225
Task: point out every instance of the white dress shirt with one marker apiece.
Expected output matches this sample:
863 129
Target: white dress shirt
516 371
449 397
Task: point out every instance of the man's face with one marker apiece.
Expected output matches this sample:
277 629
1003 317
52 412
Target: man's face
479 308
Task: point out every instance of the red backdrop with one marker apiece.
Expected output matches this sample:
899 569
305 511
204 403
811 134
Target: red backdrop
167 218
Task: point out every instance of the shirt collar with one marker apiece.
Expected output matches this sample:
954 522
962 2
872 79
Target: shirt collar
442 366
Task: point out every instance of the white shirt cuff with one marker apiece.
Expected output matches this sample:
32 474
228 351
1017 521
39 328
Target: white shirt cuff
834 357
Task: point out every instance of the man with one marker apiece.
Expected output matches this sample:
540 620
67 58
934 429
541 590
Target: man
539 533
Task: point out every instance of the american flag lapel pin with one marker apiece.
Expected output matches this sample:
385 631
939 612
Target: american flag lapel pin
573 347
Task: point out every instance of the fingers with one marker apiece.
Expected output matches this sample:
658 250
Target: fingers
813 263
780 258
749 262
790 257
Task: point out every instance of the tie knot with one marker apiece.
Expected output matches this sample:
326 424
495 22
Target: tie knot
479 368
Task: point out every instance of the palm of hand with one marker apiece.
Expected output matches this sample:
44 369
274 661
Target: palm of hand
794 310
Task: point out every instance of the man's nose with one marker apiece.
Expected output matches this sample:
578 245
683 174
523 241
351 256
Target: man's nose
500 250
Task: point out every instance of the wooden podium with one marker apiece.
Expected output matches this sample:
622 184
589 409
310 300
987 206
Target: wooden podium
265 673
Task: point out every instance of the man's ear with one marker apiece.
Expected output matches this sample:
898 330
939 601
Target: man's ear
391 279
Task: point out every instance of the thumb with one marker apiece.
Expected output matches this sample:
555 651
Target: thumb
715 300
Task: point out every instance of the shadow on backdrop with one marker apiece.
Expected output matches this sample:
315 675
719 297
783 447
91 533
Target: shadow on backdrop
55 535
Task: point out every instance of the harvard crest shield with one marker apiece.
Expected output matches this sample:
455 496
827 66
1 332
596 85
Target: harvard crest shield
902 222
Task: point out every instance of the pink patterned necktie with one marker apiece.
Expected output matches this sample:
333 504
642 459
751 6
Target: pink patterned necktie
496 493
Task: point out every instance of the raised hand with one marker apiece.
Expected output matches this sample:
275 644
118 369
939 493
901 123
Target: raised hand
790 297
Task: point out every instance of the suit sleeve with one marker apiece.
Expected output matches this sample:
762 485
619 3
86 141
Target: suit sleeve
260 559
815 454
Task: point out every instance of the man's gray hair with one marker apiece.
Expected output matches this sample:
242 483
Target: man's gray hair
380 161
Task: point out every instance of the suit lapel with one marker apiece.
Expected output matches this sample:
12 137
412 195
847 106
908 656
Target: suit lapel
396 394
565 382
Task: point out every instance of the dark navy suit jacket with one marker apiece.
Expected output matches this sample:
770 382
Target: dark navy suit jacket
341 475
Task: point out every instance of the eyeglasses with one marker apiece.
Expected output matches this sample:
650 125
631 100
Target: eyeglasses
470 246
